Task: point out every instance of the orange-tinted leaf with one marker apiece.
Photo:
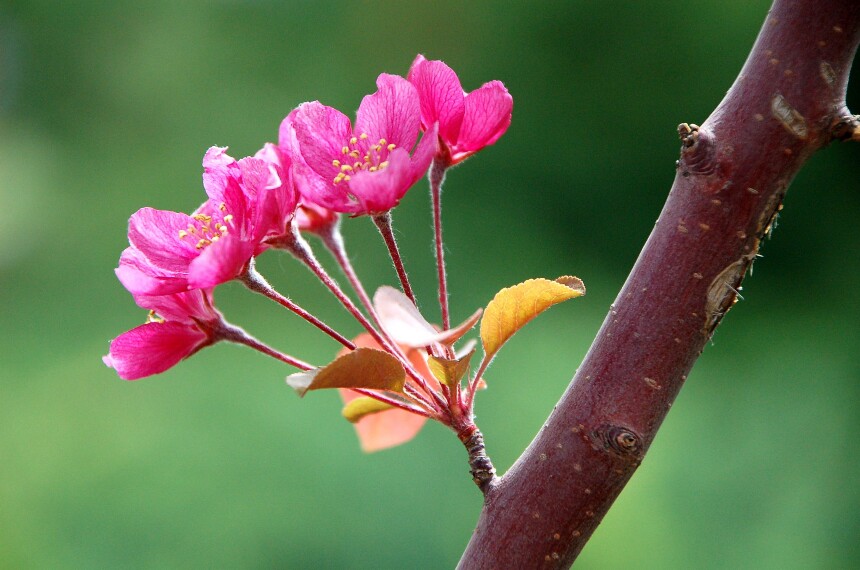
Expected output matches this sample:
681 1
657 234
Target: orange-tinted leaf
361 368
515 306
363 406
449 372
384 429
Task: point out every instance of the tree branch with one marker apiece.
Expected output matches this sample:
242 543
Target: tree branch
787 102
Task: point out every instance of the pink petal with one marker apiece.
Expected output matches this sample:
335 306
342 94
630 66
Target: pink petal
137 282
287 135
220 262
380 191
384 429
155 233
217 166
487 116
321 133
318 190
152 348
427 149
392 113
441 96
139 275
186 307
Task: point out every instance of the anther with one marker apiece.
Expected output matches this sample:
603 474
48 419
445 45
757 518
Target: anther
363 136
392 146
353 140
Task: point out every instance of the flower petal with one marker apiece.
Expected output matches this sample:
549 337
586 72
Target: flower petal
152 348
441 96
392 113
321 133
187 307
220 262
487 117
380 191
314 189
424 154
140 276
155 233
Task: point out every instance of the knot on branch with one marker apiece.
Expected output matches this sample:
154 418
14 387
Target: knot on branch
846 128
697 150
621 441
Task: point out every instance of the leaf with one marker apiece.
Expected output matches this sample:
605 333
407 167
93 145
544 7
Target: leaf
515 306
449 372
385 429
362 368
363 406
404 323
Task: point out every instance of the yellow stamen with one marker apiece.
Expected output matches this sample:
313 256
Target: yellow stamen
345 168
353 140
345 150
363 136
182 234
392 146
335 163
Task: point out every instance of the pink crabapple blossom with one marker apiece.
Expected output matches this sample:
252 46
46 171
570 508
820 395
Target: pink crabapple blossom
365 170
178 326
249 200
467 122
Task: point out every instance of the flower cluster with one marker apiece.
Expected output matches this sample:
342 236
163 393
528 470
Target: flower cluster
401 370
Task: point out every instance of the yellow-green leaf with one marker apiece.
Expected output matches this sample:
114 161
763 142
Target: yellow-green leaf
363 406
362 368
515 306
447 371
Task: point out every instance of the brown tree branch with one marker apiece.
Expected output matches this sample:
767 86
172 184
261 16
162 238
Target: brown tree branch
787 102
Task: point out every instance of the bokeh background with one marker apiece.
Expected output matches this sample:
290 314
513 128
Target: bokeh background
107 107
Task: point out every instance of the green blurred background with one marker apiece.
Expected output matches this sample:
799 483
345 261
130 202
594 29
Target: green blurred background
107 107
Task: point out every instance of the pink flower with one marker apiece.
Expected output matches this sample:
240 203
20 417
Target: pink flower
179 325
467 121
170 252
365 170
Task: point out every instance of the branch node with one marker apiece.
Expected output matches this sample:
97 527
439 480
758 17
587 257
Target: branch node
846 128
621 441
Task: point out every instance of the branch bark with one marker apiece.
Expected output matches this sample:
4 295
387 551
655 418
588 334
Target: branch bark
787 102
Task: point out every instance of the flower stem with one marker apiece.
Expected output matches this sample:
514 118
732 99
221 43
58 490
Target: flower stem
296 245
235 334
333 241
437 176
257 283
383 224
393 402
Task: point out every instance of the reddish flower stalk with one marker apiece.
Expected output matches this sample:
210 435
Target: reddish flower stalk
257 283
299 248
235 334
383 224
437 177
